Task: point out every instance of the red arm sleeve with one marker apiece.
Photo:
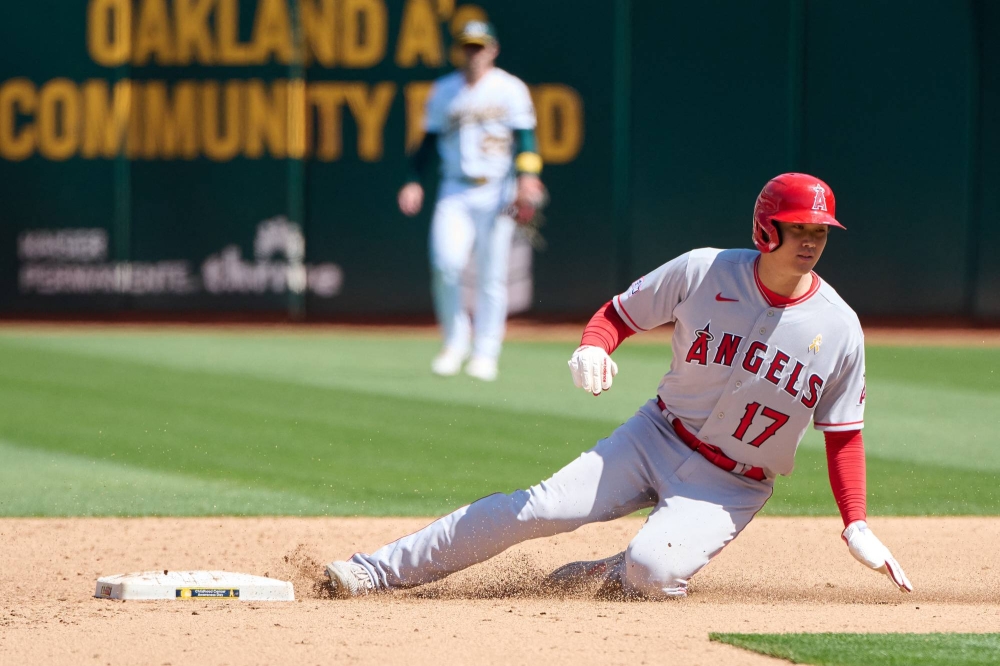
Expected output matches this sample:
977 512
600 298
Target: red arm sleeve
845 458
606 329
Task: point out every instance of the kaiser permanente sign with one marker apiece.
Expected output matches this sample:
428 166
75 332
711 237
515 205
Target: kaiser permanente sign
252 118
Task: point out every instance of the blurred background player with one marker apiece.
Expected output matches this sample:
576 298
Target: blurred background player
480 120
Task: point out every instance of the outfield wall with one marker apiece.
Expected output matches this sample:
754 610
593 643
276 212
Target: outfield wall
245 154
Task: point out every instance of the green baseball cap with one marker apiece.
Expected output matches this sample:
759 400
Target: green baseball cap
477 32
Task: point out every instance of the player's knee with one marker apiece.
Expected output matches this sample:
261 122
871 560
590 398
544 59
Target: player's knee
652 583
653 576
447 272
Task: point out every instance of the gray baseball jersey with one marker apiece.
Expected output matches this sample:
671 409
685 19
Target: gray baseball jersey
476 123
748 375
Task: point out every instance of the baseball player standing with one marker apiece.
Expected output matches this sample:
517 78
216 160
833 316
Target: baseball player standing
480 121
761 347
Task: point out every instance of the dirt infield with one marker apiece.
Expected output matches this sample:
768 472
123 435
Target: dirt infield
781 575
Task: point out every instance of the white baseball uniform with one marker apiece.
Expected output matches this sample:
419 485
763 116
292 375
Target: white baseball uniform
747 376
476 127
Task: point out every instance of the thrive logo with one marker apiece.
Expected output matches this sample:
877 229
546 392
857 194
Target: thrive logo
279 249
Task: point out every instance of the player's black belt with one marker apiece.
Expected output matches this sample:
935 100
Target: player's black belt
712 454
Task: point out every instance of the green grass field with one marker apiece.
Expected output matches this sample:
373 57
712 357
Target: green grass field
161 422
868 649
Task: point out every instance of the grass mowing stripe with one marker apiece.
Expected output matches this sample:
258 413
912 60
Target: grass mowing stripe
375 455
943 368
956 428
868 649
387 453
930 405
48 483
894 489
905 420
533 379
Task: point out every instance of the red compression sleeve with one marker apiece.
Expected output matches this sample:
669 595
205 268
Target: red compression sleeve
606 329
845 458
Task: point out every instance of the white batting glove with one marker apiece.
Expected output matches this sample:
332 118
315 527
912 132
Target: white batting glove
592 369
867 549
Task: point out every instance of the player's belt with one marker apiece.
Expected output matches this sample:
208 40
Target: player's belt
712 454
469 180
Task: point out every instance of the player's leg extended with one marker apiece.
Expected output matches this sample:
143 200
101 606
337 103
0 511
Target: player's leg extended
494 234
701 509
604 483
451 238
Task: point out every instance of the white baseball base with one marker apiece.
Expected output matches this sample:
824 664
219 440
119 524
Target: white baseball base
154 585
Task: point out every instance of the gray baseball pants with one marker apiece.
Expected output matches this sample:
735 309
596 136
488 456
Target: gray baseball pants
698 508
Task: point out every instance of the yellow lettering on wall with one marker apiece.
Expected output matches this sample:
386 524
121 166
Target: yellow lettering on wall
415 95
220 120
108 120
560 122
272 33
109 31
419 36
194 38
463 15
365 32
370 114
445 8
327 99
296 123
227 28
319 25
267 118
17 96
59 119
153 35
171 127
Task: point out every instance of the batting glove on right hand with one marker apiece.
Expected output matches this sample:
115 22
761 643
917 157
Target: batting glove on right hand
592 369
867 549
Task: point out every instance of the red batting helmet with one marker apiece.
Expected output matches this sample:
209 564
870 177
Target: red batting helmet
791 197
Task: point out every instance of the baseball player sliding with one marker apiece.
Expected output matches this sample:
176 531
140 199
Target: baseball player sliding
761 347
480 120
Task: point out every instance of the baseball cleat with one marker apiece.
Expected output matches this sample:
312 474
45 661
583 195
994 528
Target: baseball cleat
348 579
579 574
482 368
448 362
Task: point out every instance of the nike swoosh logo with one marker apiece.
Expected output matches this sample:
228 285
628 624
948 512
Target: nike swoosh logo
719 297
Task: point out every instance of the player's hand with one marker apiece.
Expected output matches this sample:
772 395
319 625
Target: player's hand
411 199
867 549
592 369
531 197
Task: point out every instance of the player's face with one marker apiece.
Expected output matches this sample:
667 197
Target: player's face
801 246
478 58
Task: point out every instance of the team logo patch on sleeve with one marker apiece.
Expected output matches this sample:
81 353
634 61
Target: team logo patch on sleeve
636 286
